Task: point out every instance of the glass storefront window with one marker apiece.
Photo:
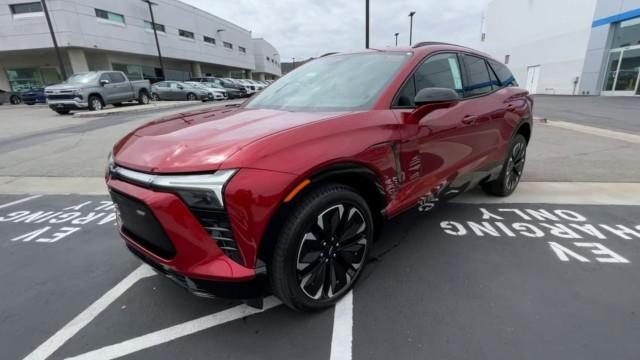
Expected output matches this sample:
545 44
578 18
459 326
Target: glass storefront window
133 72
627 33
25 79
612 70
629 68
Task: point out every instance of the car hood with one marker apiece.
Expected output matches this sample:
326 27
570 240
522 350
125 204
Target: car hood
63 87
202 141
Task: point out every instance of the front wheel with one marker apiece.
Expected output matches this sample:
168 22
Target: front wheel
322 248
192 97
155 97
95 103
512 169
15 100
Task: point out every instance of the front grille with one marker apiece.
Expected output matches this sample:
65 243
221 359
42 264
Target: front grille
61 97
139 224
217 225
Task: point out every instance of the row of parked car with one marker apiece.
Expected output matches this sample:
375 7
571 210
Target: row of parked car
29 97
95 89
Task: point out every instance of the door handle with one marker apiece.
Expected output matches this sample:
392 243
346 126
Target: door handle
469 119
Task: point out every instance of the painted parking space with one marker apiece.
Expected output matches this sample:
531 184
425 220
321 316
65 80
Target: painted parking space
504 280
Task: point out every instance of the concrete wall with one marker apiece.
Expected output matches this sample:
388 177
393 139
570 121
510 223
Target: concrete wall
549 33
77 26
263 49
599 43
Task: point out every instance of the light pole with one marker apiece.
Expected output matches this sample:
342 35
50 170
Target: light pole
293 64
411 26
396 35
366 31
55 42
155 34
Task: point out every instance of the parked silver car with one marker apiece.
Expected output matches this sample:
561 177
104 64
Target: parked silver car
94 90
218 93
177 90
9 97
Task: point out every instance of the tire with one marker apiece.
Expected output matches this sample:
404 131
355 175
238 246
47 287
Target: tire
62 112
334 262
512 169
15 100
155 97
95 103
143 98
192 97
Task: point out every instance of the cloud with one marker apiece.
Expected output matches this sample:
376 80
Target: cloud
304 28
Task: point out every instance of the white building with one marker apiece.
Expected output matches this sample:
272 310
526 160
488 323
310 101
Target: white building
118 35
567 46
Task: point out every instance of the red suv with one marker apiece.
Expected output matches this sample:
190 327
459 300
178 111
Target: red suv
286 192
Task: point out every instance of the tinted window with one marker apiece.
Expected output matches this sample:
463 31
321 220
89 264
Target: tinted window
186 34
116 77
104 76
504 75
26 8
161 84
111 16
440 70
478 81
495 84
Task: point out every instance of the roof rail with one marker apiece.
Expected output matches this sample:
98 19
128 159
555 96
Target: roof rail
428 43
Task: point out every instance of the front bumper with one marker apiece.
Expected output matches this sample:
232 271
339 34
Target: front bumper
193 252
66 104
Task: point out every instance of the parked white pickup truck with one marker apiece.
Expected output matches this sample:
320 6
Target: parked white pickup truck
95 89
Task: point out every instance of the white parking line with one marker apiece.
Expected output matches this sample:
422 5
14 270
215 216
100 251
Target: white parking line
341 339
68 331
19 201
592 130
174 332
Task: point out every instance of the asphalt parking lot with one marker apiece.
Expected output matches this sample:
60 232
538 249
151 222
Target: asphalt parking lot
551 272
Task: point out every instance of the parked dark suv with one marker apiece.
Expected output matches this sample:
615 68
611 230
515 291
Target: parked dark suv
286 192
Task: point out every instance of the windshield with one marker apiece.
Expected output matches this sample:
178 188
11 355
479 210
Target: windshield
83 78
342 82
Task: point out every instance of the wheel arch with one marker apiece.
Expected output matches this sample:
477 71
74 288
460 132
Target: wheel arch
98 95
524 129
357 176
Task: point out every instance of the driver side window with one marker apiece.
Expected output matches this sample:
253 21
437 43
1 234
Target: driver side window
441 70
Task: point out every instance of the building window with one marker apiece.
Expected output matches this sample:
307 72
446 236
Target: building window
159 27
26 8
111 16
134 72
209 40
626 33
228 45
506 59
242 49
186 34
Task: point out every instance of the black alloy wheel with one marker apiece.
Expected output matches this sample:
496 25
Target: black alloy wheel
322 247
512 169
332 252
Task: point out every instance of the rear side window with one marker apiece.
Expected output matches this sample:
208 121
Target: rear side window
441 70
478 80
504 75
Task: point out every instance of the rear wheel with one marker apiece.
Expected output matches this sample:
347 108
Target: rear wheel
155 97
143 98
322 248
192 97
15 100
512 169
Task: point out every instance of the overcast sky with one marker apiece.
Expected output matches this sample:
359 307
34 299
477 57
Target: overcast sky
304 28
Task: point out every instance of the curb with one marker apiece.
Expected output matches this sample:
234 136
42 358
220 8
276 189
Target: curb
540 120
141 109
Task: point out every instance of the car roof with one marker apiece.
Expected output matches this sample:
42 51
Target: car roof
422 48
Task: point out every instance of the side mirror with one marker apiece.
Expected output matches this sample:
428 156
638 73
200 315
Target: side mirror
104 82
180 87
430 99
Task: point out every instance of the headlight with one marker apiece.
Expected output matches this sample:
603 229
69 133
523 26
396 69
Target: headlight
198 191
110 165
